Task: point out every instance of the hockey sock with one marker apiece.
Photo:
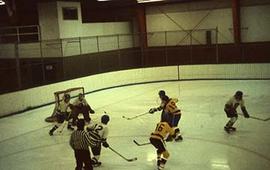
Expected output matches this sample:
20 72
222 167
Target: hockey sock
158 159
162 163
231 122
53 129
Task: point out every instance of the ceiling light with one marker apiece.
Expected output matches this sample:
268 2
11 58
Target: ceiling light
145 1
2 2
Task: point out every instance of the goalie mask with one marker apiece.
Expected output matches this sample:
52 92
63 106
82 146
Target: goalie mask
81 96
66 97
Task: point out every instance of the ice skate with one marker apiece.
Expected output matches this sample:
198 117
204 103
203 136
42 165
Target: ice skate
51 133
95 162
232 128
178 138
227 129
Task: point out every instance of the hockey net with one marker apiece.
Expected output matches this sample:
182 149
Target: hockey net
59 95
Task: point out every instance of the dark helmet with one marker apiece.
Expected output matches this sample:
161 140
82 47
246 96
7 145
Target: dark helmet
105 119
161 93
81 96
80 124
238 95
66 96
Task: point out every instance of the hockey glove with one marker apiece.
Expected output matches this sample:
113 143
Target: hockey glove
244 110
153 110
105 144
246 115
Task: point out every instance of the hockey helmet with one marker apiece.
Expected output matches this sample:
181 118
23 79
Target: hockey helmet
81 96
161 93
238 95
66 96
80 124
105 119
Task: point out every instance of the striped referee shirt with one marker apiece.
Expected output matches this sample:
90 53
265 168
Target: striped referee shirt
79 140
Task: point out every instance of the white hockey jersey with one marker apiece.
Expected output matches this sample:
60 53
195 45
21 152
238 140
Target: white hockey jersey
232 102
98 132
63 107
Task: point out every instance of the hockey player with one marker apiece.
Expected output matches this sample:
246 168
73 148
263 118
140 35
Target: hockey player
170 112
63 113
98 133
81 106
230 110
163 129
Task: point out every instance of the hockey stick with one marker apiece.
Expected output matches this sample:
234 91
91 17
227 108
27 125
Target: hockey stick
256 118
134 117
129 160
141 144
64 125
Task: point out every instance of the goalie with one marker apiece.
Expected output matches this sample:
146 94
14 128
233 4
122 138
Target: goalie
63 113
80 105
170 112
230 110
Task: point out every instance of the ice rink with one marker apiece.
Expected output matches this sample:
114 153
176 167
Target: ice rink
26 145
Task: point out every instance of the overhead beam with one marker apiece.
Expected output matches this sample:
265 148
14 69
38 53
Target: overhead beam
236 21
141 20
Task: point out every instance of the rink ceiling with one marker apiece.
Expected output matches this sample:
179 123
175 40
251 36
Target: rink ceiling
25 138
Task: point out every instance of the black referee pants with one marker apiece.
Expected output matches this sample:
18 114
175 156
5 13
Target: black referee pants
83 157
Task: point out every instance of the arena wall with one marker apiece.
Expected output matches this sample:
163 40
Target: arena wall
20 101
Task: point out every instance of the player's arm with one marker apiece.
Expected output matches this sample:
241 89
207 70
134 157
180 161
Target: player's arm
154 109
71 143
244 110
91 126
85 103
175 100
104 137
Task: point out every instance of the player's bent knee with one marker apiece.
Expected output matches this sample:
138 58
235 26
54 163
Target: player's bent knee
166 154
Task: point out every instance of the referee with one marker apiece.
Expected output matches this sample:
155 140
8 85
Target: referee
80 142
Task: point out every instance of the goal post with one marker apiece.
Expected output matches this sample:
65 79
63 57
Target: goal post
59 95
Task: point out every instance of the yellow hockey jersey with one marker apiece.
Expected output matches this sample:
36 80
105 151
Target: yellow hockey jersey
163 129
171 108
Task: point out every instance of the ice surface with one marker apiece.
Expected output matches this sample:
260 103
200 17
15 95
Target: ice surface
26 145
